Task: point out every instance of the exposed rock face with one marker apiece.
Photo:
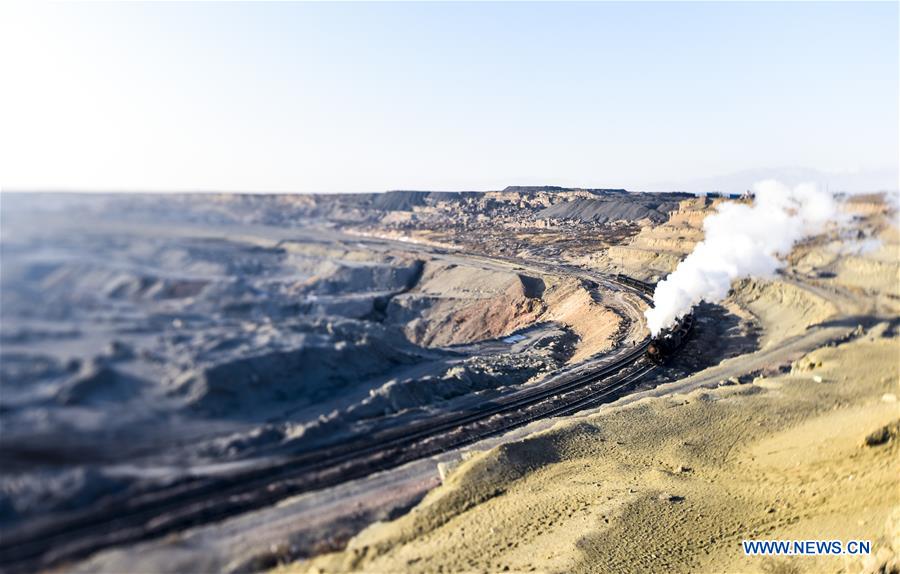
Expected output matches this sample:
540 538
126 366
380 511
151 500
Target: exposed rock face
572 304
610 209
657 249
883 435
459 305
453 305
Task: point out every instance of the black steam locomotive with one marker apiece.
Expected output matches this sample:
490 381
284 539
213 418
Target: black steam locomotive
669 340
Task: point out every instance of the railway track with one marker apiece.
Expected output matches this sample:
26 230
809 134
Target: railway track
203 500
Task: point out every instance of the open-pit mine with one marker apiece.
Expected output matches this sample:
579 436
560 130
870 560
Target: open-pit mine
433 382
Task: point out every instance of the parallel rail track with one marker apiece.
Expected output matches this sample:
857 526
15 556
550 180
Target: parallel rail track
203 500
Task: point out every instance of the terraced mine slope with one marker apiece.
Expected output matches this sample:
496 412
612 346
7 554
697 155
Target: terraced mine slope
794 437
150 345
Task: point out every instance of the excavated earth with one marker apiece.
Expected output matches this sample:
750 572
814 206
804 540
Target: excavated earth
144 339
789 433
147 339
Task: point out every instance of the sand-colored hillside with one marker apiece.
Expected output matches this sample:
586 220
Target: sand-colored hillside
866 268
786 309
571 304
673 484
657 249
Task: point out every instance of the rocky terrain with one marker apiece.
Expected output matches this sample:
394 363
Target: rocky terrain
146 338
792 437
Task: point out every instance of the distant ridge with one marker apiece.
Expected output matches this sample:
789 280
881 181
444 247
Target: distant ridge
655 207
585 209
536 188
514 189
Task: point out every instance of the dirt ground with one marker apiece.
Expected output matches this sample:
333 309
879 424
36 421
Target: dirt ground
674 482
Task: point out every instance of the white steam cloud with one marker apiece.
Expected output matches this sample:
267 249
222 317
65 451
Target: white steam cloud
741 240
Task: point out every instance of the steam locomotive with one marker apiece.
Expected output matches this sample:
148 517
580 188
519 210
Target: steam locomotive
669 340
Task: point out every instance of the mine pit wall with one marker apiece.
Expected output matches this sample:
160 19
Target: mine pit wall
457 304
783 309
570 303
657 249
858 265
460 304
867 273
868 269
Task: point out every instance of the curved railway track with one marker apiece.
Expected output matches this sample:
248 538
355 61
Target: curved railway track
132 518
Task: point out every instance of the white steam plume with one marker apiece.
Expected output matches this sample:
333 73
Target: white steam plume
741 240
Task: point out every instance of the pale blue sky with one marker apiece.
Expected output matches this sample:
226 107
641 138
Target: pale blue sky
365 97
